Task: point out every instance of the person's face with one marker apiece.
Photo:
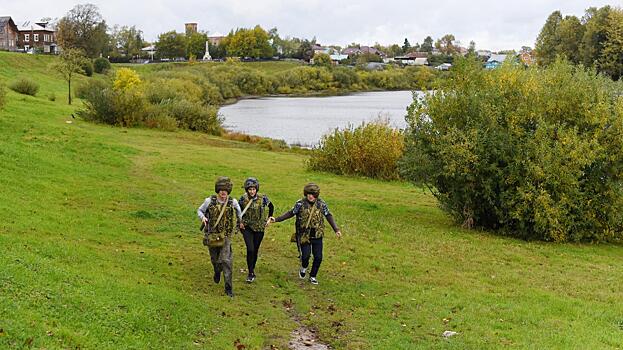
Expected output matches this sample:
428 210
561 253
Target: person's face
252 191
222 195
311 197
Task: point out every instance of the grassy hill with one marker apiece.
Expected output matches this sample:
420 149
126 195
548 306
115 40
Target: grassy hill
100 249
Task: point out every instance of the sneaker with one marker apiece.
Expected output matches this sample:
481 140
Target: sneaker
313 280
250 278
302 272
217 277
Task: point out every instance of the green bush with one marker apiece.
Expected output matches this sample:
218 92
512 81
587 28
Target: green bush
84 89
52 97
536 154
101 65
87 68
25 86
105 105
158 119
195 117
371 149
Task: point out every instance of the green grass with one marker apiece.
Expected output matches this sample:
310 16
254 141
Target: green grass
100 249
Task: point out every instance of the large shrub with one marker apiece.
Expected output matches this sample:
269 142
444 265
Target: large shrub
101 65
87 68
536 154
370 149
25 86
194 116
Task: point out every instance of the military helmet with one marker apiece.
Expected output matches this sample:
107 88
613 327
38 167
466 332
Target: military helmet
251 182
223 183
311 188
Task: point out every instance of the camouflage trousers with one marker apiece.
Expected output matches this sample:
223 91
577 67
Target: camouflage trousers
222 260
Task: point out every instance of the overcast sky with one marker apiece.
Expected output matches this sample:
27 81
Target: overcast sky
492 24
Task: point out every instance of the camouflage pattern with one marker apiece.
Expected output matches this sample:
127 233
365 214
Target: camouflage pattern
222 260
256 215
225 227
223 183
317 220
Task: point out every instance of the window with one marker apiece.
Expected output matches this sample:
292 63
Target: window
45 38
36 37
26 37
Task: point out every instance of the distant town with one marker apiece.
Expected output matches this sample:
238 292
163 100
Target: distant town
126 44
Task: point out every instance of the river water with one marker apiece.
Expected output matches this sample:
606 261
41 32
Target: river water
303 120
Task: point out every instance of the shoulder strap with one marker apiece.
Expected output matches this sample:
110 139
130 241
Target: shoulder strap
246 206
312 212
223 207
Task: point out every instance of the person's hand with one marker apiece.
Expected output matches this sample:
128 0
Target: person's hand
205 221
270 220
338 233
241 226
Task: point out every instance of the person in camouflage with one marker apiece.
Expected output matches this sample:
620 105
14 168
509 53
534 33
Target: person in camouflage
310 212
220 215
254 218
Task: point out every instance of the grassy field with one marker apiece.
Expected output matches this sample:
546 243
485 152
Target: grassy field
100 249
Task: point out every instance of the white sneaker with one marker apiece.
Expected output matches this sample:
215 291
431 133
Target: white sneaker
313 280
302 272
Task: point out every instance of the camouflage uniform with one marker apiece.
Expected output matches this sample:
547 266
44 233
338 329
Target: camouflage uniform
220 254
309 237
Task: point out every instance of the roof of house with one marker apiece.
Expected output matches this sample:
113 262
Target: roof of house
417 54
6 19
28 25
338 57
497 58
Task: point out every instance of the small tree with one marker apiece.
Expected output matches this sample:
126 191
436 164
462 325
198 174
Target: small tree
71 61
322 59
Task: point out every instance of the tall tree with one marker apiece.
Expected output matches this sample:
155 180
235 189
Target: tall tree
249 43
305 50
406 46
569 34
196 44
595 22
548 40
171 45
611 59
427 45
83 27
70 62
446 44
126 41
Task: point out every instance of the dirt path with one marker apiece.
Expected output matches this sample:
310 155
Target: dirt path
304 338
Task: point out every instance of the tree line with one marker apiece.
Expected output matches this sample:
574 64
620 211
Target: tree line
595 40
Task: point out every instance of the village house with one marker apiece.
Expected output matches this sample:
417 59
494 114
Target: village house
8 34
527 58
495 60
39 36
355 51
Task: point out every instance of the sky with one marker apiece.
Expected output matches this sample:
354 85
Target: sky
491 24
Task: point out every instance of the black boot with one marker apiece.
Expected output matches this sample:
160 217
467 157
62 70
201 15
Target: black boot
229 292
217 276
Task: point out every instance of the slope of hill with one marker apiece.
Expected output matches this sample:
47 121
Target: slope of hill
100 248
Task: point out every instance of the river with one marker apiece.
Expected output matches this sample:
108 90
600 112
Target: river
303 120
